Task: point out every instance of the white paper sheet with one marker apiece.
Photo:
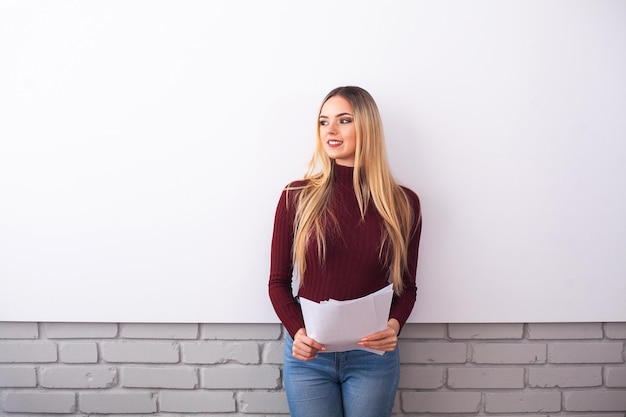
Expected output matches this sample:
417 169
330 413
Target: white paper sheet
340 325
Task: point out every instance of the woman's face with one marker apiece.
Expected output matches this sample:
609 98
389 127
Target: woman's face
337 131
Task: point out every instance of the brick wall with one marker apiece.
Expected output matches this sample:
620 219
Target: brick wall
235 369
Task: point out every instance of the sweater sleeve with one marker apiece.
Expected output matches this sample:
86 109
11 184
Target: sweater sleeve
281 266
403 305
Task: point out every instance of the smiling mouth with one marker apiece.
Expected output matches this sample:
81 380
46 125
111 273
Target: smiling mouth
333 142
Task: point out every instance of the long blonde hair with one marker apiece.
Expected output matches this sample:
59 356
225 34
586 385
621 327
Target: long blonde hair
372 182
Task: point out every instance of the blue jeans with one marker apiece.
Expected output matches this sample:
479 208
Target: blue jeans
355 383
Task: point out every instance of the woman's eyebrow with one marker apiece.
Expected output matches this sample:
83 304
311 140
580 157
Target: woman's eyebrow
339 115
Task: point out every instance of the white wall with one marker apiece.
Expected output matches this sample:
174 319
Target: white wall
144 144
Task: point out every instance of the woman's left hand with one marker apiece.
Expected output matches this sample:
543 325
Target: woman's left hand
385 340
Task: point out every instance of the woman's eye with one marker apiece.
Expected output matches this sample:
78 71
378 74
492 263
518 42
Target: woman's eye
323 122
344 121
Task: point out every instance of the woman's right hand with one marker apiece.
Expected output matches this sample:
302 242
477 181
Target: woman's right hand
305 348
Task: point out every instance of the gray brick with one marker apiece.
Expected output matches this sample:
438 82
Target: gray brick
565 377
78 352
421 377
159 331
25 352
78 377
18 377
117 402
242 331
220 352
523 402
242 377
508 353
432 352
276 415
397 405
286 414
565 414
486 331
616 330
18 330
140 352
165 377
615 377
565 331
595 400
441 402
273 352
486 378
80 330
423 331
197 402
40 402
586 352
263 402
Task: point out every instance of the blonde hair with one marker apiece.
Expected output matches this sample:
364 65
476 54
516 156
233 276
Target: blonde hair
372 182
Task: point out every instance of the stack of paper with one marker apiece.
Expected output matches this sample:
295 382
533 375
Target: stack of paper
340 325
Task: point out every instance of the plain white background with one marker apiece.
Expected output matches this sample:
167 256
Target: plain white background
144 145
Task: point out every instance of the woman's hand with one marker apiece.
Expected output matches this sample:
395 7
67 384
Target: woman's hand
305 348
385 340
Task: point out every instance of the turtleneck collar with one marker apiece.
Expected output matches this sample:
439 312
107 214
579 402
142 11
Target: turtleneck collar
344 173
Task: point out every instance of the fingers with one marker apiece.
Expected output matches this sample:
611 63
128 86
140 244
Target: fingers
383 334
385 340
305 348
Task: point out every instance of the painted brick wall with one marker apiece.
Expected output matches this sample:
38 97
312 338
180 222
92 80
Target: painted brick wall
235 369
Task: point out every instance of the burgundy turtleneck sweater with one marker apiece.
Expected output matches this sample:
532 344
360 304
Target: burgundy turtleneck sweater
352 267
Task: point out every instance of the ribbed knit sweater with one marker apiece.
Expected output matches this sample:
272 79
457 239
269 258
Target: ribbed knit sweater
352 267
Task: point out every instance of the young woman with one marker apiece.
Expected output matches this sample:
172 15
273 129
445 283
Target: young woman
348 229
